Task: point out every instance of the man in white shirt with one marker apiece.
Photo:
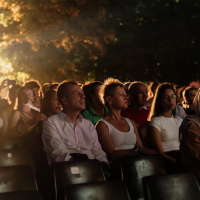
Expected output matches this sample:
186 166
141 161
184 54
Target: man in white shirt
68 132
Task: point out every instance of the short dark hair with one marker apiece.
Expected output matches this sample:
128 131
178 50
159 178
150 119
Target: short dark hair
62 88
133 86
187 91
54 86
32 84
89 89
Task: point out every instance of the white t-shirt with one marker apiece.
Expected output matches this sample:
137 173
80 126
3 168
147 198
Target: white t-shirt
169 131
180 111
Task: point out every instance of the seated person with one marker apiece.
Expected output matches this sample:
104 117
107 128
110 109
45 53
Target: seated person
95 110
50 104
152 90
190 139
118 135
164 125
68 132
54 86
35 86
24 120
45 87
6 113
137 110
188 96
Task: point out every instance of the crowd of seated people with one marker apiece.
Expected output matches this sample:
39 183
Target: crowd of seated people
105 121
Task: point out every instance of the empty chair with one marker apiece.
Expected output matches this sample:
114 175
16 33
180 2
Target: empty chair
13 143
134 168
111 190
76 172
12 157
173 187
17 178
24 195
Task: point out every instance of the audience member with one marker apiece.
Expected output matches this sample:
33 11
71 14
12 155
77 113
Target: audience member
50 104
164 125
95 110
54 86
188 96
68 133
137 110
190 139
45 87
180 94
126 86
24 120
6 113
151 91
35 86
118 135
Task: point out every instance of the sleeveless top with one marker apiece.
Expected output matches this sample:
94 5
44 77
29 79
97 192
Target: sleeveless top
121 140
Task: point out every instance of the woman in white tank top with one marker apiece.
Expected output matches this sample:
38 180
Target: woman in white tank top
118 136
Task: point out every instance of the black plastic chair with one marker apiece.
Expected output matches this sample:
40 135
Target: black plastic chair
89 171
12 157
134 168
25 195
110 190
17 178
13 143
173 187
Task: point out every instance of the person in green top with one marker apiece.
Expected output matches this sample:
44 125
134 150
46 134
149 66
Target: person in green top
95 110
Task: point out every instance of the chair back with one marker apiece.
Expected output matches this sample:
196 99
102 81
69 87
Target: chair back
17 178
88 171
134 168
112 190
174 187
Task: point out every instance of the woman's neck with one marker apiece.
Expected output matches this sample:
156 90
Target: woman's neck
25 109
99 109
114 114
167 114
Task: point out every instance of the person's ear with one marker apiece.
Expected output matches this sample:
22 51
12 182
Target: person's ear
92 97
64 101
109 100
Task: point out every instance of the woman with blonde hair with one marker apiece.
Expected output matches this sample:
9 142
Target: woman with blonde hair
190 139
118 135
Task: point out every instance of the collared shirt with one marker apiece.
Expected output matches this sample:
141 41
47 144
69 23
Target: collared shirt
61 137
90 115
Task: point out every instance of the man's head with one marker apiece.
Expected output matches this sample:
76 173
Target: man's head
138 94
188 95
71 96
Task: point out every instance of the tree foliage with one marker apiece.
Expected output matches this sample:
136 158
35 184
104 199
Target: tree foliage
52 40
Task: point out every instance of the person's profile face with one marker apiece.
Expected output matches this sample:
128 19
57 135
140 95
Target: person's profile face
141 95
76 97
54 104
119 99
36 92
191 96
168 100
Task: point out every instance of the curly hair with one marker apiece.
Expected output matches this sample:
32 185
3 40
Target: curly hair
108 89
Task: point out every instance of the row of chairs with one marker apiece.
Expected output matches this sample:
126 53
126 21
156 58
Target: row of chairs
144 177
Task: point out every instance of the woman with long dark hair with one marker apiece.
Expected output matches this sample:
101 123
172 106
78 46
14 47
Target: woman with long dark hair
164 125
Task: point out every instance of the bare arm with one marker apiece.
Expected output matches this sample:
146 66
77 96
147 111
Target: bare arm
155 139
107 144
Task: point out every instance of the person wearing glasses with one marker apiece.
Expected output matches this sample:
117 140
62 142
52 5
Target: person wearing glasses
118 135
67 135
164 126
